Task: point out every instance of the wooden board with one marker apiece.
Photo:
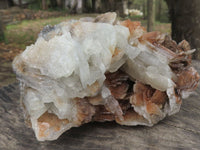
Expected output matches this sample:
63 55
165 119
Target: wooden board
181 131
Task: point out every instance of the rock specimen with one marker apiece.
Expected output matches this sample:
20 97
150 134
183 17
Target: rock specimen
101 69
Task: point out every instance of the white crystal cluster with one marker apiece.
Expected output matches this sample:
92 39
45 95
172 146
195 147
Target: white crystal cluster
69 62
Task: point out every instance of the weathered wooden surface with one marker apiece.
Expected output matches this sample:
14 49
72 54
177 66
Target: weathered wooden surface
181 131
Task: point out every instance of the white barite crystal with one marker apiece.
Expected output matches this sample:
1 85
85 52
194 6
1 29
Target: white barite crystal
67 64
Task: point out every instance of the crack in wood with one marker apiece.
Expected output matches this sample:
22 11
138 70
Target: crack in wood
196 132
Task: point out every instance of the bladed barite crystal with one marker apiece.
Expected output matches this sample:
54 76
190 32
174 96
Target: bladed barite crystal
101 69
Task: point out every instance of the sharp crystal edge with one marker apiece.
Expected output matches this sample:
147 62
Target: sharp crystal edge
102 69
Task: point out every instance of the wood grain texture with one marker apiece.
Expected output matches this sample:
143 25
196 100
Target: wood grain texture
180 131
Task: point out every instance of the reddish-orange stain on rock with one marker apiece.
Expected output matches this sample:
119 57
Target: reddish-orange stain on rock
49 120
146 95
188 79
132 25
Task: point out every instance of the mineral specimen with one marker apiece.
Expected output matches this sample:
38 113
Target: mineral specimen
101 69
